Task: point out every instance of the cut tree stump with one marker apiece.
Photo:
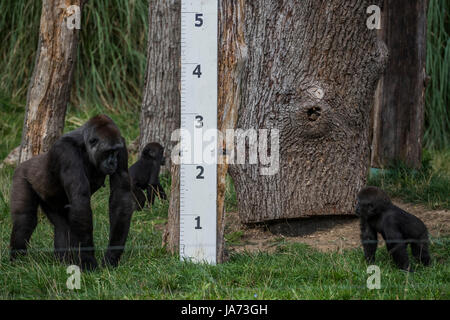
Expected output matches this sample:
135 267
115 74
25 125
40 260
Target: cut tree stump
311 73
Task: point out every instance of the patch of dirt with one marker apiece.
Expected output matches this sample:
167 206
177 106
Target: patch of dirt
330 233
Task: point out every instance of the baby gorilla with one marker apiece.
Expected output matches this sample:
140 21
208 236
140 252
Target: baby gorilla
398 228
145 175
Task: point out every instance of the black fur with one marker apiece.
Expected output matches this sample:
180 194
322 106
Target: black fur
145 175
62 182
398 228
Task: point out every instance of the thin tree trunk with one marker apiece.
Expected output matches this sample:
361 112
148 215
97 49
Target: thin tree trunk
311 73
164 53
231 61
160 114
171 236
49 90
400 98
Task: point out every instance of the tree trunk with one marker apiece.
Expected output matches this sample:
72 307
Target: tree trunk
231 62
400 97
311 73
49 90
171 236
160 114
308 69
162 84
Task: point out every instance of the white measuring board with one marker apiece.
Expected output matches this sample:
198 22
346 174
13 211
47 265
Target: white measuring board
198 168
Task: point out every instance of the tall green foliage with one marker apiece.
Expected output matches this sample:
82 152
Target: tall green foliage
437 111
111 54
111 57
19 30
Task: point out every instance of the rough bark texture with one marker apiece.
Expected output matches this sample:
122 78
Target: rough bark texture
290 50
171 236
231 61
160 114
294 49
49 90
400 97
164 51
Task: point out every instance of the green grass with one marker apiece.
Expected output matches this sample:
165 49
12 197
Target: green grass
11 122
147 271
429 185
294 271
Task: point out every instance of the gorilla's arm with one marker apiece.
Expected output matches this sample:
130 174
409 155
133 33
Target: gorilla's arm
395 241
120 209
369 240
70 168
139 198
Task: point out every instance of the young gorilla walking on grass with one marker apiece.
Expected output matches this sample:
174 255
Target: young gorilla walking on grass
398 228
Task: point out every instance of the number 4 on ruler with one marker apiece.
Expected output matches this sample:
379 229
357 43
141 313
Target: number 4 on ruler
197 71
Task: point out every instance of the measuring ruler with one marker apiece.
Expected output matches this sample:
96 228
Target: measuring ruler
198 168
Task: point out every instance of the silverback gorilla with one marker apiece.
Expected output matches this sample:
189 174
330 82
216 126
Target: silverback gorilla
398 228
62 181
145 175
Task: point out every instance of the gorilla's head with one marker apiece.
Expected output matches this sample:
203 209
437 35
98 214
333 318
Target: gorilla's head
103 142
371 201
154 154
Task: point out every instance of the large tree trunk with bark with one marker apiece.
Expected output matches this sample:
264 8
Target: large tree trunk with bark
400 98
160 113
49 90
231 61
311 73
308 69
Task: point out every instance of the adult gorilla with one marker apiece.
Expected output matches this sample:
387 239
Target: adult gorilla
62 181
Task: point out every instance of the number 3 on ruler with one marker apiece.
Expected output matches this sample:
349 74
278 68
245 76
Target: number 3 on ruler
199 119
